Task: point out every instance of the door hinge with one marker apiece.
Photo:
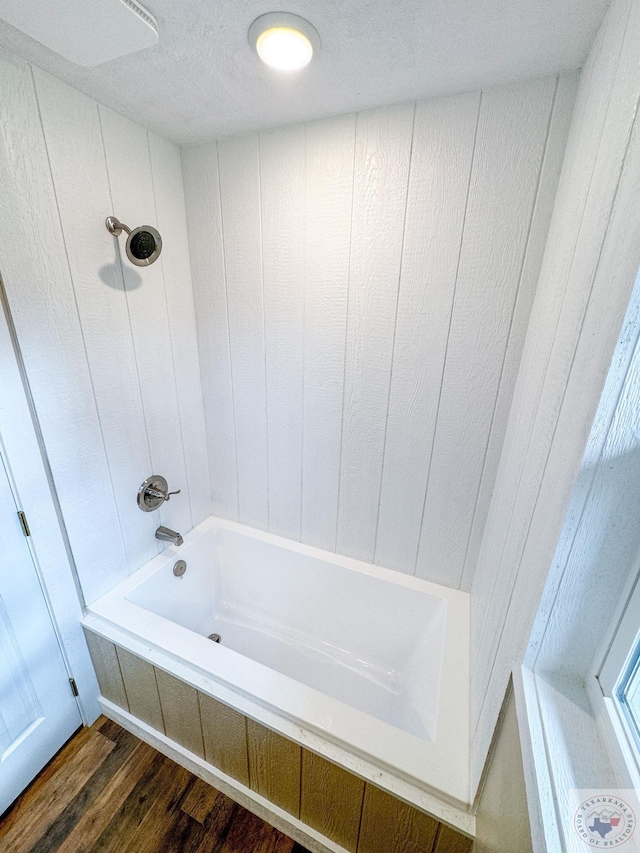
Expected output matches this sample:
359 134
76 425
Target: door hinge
24 523
74 686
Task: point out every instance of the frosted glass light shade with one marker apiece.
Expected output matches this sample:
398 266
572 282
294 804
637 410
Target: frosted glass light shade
284 41
284 49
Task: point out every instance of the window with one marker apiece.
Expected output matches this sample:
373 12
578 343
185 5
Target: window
619 680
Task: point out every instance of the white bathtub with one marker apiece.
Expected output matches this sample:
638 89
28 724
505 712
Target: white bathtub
316 645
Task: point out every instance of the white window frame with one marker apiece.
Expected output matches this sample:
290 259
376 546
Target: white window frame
619 663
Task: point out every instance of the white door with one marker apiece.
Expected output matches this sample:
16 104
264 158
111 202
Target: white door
38 711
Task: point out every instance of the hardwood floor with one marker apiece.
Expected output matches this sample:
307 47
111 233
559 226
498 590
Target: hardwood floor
107 792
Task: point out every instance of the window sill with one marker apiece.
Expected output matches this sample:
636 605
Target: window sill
565 748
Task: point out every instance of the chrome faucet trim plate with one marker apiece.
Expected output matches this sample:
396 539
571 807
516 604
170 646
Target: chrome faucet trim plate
154 492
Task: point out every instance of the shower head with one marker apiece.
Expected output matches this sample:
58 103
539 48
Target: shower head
144 244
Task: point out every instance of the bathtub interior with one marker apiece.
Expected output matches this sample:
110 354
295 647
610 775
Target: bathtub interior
371 643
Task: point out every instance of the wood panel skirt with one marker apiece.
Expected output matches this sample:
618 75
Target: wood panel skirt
353 813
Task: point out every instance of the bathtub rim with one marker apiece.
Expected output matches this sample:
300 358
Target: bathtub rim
443 776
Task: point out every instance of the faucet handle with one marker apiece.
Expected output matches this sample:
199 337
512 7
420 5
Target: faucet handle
153 493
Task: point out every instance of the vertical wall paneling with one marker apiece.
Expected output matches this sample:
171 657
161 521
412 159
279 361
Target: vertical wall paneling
82 192
382 153
357 815
414 235
282 195
590 264
225 738
617 263
450 841
172 224
331 800
204 225
329 195
105 662
393 826
322 259
490 592
600 539
549 175
130 179
550 297
180 712
35 271
508 157
142 690
109 349
274 767
239 164
443 144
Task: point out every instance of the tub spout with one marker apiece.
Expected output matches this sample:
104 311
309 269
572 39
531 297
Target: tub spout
168 535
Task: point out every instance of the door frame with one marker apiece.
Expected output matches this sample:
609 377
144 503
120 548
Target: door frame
30 479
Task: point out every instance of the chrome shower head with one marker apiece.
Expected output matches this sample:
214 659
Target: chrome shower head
144 244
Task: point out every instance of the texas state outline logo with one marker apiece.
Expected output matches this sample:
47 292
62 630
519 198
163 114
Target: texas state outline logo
605 821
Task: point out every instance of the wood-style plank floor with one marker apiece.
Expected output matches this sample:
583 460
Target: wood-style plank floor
108 792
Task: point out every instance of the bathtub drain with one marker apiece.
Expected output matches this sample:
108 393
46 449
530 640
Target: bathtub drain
214 637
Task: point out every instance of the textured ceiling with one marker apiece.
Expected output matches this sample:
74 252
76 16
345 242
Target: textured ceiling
203 81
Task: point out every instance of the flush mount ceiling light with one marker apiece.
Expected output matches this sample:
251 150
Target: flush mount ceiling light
284 41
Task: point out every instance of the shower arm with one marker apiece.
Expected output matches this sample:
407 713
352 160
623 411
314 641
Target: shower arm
144 243
115 227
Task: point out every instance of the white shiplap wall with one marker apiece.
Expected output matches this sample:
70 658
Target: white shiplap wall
110 350
600 541
590 265
363 286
